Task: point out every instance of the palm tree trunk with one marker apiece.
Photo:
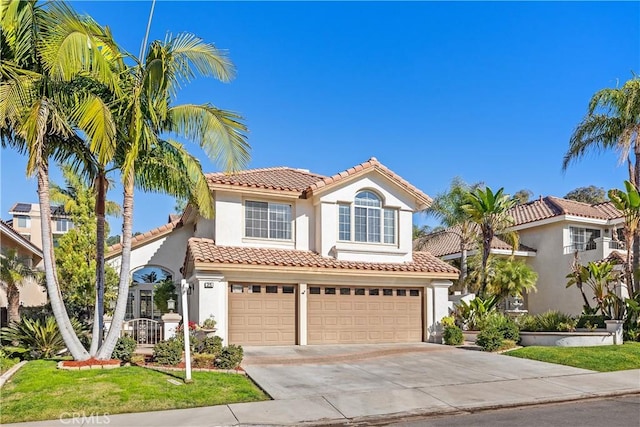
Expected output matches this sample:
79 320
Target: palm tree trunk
125 265
632 286
13 303
55 297
486 249
463 268
98 320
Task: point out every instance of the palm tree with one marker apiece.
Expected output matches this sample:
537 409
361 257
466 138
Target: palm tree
510 277
612 122
447 207
48 54
491 212
628 201
14 270
151 159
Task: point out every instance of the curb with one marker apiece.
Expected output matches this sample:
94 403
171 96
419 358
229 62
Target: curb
7 375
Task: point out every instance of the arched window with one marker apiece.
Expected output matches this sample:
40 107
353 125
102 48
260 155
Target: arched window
371 222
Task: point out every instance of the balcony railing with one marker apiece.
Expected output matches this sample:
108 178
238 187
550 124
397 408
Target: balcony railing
616 244
580 247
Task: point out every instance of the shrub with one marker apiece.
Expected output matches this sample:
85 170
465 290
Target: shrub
448 321
470 315
40 339
201 360
506 325
591 321
230 357
124 349
138 359
211 345
507 344
453 335
168 352
550 321
490 339
209 323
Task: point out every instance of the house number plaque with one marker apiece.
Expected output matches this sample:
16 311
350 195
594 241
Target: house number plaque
208 285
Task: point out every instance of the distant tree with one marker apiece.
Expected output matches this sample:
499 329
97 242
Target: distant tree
590 194
112 240
180 205
447 207
522 196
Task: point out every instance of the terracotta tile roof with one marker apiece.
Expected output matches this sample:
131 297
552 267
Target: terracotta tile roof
206 251
145 237
447 242
372 163
549 207
278 178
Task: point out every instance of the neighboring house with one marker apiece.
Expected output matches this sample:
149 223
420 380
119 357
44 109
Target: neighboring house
26 221
31 294
552 231
293 257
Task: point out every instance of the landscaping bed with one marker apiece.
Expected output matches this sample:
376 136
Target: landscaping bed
40 391
600 358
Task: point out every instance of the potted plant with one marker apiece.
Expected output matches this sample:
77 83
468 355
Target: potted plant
208 326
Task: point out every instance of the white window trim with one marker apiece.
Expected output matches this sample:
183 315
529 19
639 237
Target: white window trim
284 242
351 204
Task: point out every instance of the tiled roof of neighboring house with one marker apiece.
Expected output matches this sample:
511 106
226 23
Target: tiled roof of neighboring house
145 237
372 163
19 237
447 242
549 207
206 251
277 178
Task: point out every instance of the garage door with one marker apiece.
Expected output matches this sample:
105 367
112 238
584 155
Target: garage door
262 314
342 315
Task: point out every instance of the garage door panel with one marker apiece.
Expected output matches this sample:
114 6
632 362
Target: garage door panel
261 318
380 315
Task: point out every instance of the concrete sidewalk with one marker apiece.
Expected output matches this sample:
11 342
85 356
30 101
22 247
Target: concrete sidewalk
390 382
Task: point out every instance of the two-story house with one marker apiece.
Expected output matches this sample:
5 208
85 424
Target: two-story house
26 221
293 257
552 232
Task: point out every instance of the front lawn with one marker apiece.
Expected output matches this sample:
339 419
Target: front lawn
604 358
40 391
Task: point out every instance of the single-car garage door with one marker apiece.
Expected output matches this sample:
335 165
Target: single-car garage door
343 315
262 314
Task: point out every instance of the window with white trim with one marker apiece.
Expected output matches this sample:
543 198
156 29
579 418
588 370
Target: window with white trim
22 221
63 225
267 220
582 239
372 223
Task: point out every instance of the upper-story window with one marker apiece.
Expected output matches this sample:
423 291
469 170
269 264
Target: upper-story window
369 222
63 225
582 239
22 221
267 220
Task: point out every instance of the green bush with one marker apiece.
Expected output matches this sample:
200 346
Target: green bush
470 315
168 352
40 339
506 325
550 321
124 349
452 335
490 339
230 357
211 345
201 360
591 321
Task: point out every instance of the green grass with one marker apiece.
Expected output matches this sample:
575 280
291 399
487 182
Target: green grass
6 363
39 391
604 358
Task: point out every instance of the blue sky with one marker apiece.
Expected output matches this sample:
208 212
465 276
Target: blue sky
489 91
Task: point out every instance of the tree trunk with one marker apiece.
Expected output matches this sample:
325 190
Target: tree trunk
55 297
13 303
463 268
633 286
98 320
487 236
125 265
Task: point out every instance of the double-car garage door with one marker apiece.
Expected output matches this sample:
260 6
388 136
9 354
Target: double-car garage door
267 314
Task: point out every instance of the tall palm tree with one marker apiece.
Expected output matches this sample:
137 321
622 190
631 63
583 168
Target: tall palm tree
14 270
612 122
447 207
151 158
48 53
628 201
491 212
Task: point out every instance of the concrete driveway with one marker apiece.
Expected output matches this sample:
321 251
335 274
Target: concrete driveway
291 372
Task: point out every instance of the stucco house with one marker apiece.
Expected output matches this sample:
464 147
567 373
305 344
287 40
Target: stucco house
552 231
294 257
31 293
26 221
